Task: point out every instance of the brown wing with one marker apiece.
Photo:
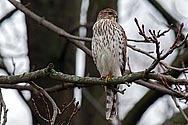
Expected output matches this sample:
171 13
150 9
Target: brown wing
123 47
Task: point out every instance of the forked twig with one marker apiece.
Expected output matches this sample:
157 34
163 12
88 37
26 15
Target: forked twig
37 111
66 106
75 111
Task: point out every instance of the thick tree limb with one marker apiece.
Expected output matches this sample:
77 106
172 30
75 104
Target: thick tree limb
26 77
72 80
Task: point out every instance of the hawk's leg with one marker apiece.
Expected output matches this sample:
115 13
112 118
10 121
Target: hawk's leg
107 77
114 88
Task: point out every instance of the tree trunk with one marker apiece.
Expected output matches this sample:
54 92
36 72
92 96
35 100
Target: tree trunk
46 46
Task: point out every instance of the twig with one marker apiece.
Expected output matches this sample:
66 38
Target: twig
129 66
163 80
175 44
61 87
174 68
46 107
54 106
14 66
66 106
141 30
155 86
5 110
157 44
37 111
75 111
154 39
172 48
159 34
184 73
180 109
138 41
133 47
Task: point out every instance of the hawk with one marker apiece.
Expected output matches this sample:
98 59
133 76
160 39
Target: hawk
109 54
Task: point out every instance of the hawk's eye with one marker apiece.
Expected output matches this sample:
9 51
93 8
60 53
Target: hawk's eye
110 13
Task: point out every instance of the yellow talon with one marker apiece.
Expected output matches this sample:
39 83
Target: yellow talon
107 77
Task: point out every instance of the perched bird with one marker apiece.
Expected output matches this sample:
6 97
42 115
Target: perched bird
109 54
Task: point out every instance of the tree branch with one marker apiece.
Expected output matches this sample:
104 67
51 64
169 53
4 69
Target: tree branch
54 106
180 109
5 110
41 20
26 77
72 80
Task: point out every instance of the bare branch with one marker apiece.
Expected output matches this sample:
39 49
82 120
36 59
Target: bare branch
180 109
159 34
154 39
66 106
141 31
54 106
46 106
133 47
89 81
75 111
175 44
155 86
26 77
5 110
37 111
74 39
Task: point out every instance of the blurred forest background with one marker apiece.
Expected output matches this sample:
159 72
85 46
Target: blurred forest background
27 46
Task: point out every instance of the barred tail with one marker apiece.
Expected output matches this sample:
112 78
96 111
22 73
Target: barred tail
111 104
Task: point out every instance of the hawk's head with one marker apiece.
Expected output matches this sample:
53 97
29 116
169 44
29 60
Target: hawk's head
107 13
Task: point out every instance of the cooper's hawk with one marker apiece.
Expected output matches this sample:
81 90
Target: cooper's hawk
109 53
